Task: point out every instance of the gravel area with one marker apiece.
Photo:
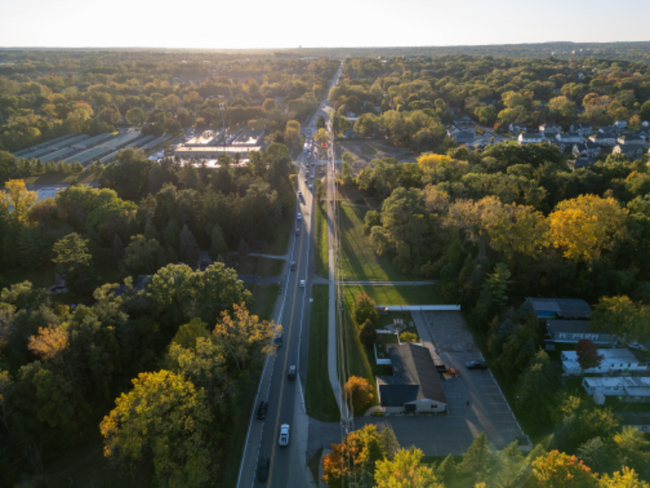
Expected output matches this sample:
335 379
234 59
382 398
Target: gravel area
449 332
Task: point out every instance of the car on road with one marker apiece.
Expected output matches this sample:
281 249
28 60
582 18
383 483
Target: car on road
299 217
302 283
306 181
261 410
293 265
310 187
476 364
278 340
297 232
263 469
299 194
283 441
291 375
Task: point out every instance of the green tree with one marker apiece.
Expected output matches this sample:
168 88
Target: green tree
18 200
143 257
320 122
188 333
388 443
218 245
633 448
407 336
623 317
166 416
537 383
74 261
189 248
446 471
135 116
368 333
365 308
477 457
405 471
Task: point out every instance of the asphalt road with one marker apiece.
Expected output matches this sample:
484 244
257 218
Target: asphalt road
285 397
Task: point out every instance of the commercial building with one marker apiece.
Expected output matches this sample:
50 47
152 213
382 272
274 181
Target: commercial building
614 361
627 388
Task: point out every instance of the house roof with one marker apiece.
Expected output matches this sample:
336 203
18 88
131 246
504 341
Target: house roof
567 308
572 327
583 163
414 377
531 135
569 135
629 148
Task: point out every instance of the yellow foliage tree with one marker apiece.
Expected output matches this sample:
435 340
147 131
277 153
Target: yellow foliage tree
585 226
359 391
17 199
430 160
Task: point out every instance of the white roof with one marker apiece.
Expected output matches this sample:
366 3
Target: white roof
622 355
620 381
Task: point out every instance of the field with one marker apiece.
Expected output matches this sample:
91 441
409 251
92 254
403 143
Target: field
394 295
321 403
321 255
358 260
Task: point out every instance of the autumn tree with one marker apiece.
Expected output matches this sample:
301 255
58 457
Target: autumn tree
559 470
365 308
359 393
625 478
623 317
245 336
406 470
583 227
49 344
588 356
18 200
633 448
166 417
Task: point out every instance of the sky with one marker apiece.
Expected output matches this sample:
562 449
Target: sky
217 24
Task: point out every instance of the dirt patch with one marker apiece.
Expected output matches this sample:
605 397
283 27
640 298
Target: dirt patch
449 332
365 150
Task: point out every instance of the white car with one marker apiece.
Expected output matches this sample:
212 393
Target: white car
299 216
284 435
302 283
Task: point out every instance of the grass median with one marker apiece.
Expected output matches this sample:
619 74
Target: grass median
321 256
359 262
394 295
319 396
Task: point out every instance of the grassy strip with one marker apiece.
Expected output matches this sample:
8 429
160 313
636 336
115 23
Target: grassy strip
265 297
358 259
319 396
57 178
394 295
267 267
321 256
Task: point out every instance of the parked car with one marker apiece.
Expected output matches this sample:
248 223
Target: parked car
634 345
263 469
293 265
278 340
302 283
261 410
283 441
291 375
476 364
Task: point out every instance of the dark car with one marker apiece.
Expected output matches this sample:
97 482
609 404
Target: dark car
263 470
297 232
476 364
292 373
278 340
293 265
261 410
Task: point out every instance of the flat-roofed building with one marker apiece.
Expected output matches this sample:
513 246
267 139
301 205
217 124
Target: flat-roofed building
249 138
565 308
213 152
614 360
207 138
627 388
573 331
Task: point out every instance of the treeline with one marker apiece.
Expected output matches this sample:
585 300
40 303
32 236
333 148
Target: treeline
92 94
179 210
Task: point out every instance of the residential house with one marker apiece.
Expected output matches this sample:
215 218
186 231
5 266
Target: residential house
588 149
581 163
531 138
613 361
630 139
465 123
627 388
631 151
415 385
517 128
464 137
620 124
582 129
570 137
561 308
550 129
610 130
452 130
573 331
603 140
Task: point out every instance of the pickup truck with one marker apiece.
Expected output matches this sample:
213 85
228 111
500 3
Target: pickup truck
283 441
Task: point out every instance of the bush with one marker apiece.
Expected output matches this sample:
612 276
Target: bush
408 337
368 334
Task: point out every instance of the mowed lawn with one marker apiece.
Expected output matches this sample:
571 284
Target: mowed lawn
321 256
394 295
319 396
358 260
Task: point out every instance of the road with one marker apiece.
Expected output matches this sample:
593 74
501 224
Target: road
285 397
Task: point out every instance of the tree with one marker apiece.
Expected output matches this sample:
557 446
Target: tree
407 336
73 260
475 460
405 471
188 333
135 116
365 308
355 457
585 226
166 416
633 448
320 122
118 247
242 250
446 471
623 317
368 333
359 393
594 454
537 383
246 338
189 248
143 257
625 478
559 470
6 389
218 245
388 443
49 344
18 200
588 356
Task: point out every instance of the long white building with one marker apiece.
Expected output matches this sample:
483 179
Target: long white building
628 388
614 360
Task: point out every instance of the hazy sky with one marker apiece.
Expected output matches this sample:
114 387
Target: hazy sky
330 23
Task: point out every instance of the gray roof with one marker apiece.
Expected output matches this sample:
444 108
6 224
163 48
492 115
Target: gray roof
532 135
567 308
568 326
414 377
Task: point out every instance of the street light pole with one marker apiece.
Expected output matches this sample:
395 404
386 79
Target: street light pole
222 107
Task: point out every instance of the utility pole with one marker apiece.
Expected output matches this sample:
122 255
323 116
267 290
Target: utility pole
222 107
